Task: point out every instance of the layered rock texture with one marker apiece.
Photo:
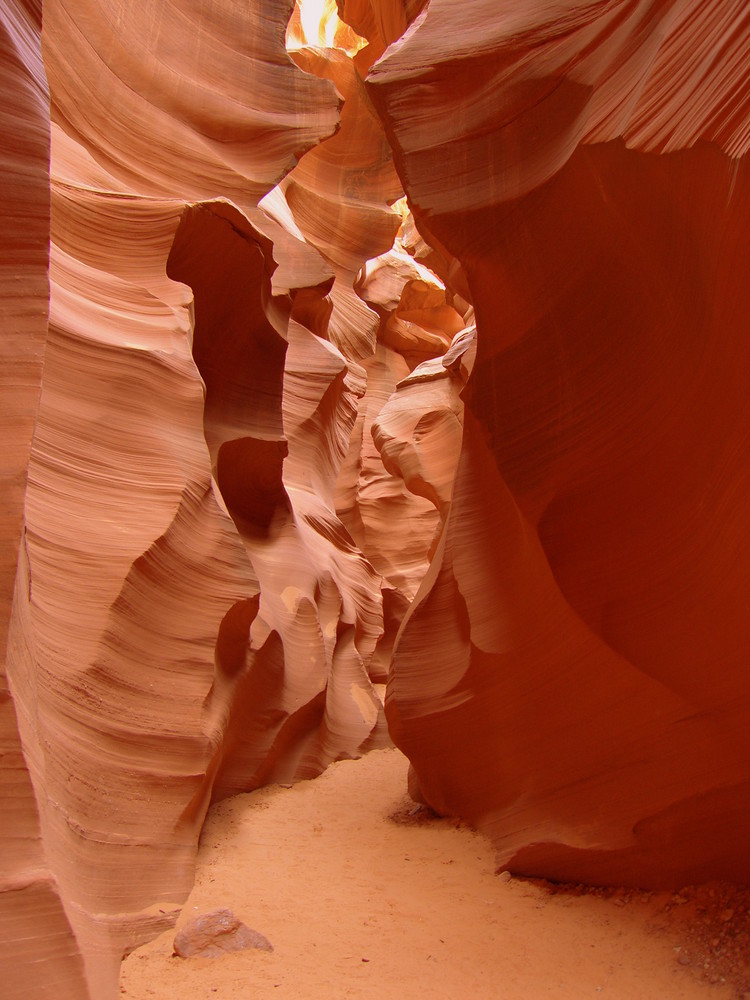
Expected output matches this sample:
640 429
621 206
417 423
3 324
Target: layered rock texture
378 342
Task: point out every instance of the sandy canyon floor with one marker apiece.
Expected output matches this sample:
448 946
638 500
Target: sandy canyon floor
364 896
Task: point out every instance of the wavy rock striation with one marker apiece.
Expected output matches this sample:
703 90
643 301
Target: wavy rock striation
162 649
36 938
587 627
294 437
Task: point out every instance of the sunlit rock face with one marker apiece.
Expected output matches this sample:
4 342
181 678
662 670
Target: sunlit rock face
191 618
36 938
575 679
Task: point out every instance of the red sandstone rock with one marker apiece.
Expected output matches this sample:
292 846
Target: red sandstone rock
245 450
587 634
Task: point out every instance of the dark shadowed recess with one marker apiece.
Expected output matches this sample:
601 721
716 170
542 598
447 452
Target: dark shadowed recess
239 355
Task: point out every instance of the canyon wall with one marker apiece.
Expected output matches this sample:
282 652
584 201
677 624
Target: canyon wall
39 956
376 343
587 622
190 616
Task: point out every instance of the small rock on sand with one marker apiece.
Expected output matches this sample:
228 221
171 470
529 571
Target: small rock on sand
217 933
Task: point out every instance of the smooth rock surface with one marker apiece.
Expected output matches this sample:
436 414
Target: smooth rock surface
585 624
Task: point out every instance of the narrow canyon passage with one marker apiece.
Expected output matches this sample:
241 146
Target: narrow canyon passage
375 373
363 895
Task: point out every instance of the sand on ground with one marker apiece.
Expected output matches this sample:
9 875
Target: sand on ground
364 895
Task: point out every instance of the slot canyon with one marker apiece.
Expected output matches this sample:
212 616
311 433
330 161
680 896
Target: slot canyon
374 373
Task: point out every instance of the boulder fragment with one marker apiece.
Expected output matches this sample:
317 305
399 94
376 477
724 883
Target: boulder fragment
217 933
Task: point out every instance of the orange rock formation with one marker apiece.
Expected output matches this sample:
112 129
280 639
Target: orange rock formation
38 952
252 491
587 622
